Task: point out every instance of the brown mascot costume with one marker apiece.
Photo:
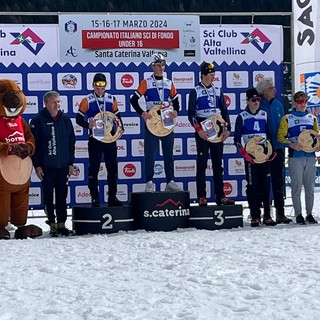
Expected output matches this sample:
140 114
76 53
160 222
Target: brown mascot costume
16 146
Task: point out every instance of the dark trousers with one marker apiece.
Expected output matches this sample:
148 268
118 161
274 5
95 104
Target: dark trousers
258 188
109 151
216 151
277 179
151 145
55 182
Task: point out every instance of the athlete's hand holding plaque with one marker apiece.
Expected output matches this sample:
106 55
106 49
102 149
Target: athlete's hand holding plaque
107 128
214 126
162 120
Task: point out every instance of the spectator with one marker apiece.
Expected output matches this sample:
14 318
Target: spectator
53 159
275 111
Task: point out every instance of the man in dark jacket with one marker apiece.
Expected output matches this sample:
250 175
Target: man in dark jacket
53 159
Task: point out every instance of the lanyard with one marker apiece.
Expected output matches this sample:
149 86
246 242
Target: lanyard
161 96
102 108
212 100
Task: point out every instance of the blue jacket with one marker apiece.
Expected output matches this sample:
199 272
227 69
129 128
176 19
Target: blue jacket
275 112
55 140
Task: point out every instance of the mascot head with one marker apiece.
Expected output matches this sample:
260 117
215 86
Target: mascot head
12 100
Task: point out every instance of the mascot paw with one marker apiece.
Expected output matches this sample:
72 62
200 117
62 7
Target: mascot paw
4 234
21 150
29 231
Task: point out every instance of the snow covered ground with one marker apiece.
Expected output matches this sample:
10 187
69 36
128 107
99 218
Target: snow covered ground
262 273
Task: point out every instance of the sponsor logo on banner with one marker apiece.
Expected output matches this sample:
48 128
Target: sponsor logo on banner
230 99
258 39
69 81
126 81
236 166
64 104
230 188
82 194
70 27
131 125
129 170
183 125
168 208
121 102
16 77
237 79
159 169
183 79
76 102
243 100
228 146
81 149
29 39
32 105
122 192
137 147
218 79
78 130
122 148
185 168
243 43
191 146
34 196
262 74
39 81
77 173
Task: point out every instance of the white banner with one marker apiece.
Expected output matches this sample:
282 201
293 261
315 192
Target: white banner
128 38
306 44
241 43
28 44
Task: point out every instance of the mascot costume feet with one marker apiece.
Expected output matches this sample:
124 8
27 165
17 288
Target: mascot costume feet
16 147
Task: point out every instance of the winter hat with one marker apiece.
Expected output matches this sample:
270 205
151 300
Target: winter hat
252 93
207 68
99 80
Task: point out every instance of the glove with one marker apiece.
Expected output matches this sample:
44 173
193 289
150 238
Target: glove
246 155
22 150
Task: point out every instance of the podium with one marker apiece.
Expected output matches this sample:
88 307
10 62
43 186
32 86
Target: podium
160 211
214 217
155 211
86 219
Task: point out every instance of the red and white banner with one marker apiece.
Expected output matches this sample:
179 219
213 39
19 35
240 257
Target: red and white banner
128 38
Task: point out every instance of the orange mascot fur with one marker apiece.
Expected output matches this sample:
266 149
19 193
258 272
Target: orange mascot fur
16 146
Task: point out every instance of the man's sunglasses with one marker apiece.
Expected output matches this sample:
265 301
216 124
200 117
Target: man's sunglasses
257 99
301 101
